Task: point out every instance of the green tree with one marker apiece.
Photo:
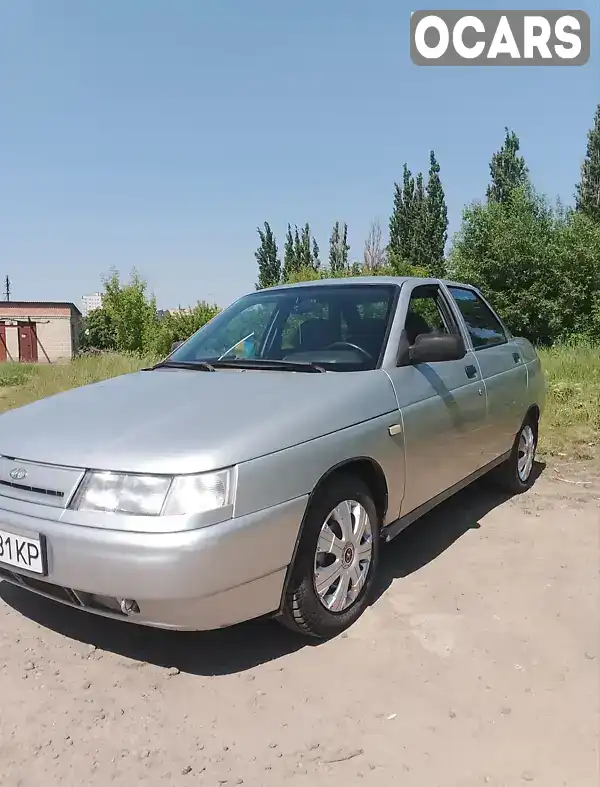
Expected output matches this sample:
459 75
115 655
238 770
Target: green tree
306 258
290 261
179 326
507 169
588 189
307 273
540 268
401 220
344 246
301 252
334 243
298 250
315 255
418 254
267 256
97 331
308 249
131 312
406 252
338 248
501 248
576 312
436 220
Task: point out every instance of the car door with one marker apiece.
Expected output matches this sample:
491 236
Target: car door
442 404
502 368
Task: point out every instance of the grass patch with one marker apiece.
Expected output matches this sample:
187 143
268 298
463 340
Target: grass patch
13 374
39 381
570 426
571 421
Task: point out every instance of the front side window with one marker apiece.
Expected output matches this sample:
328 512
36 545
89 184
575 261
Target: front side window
484 329
427 313
339 327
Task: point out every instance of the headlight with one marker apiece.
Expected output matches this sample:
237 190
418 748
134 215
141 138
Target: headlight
192 494
150 495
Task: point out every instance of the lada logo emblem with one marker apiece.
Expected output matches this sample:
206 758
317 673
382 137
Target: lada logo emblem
18 474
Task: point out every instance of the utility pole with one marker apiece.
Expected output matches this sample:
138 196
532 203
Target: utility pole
7 288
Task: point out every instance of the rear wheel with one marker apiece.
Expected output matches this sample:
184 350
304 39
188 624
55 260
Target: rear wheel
336 562
515 474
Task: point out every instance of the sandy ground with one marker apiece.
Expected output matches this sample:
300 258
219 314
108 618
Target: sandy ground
478 664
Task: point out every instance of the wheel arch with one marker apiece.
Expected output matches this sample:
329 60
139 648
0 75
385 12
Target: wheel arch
533 414
370 472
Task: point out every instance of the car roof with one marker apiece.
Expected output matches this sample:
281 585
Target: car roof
367 281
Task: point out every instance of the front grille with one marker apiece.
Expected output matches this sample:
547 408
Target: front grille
35 489
56 591
75 598
32 482
47 588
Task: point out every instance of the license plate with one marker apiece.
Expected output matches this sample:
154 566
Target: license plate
22 552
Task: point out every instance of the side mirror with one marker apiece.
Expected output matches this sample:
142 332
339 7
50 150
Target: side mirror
429 348
175 345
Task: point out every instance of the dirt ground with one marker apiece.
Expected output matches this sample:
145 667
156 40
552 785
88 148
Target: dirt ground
478 664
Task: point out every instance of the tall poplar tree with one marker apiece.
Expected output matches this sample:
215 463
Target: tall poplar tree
290 261
267 257
338 248
507 169
436 220
587 197
419 240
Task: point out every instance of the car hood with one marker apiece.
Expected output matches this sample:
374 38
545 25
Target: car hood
179 421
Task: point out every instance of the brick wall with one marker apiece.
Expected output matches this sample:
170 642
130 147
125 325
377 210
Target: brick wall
54 335
57 326
12 343
54 339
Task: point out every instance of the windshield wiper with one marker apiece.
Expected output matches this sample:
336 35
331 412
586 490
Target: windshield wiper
197 366
268 364
239 363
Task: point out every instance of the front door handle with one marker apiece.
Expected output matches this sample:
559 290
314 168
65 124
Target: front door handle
471 371
516 357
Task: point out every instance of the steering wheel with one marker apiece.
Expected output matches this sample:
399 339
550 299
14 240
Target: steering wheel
341 345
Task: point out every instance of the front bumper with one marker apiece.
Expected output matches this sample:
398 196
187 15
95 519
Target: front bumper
201 579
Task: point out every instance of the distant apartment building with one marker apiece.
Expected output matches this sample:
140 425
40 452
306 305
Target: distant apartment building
91 302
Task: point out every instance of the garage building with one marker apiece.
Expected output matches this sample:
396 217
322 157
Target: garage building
38 331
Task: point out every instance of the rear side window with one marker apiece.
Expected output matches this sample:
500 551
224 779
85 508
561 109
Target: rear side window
483 327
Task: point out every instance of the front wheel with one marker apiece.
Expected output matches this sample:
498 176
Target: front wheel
515 475
336 562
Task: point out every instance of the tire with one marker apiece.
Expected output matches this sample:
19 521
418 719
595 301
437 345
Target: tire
327 613
515 475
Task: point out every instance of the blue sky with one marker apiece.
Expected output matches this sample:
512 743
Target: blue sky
159 133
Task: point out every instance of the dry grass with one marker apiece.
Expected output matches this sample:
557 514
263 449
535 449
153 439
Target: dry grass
570 428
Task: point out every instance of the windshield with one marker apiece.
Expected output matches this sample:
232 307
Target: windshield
340 327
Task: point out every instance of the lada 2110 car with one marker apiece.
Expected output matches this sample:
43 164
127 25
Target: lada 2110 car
260 467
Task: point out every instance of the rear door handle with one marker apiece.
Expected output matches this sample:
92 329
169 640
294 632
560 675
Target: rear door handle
516 357
471 370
